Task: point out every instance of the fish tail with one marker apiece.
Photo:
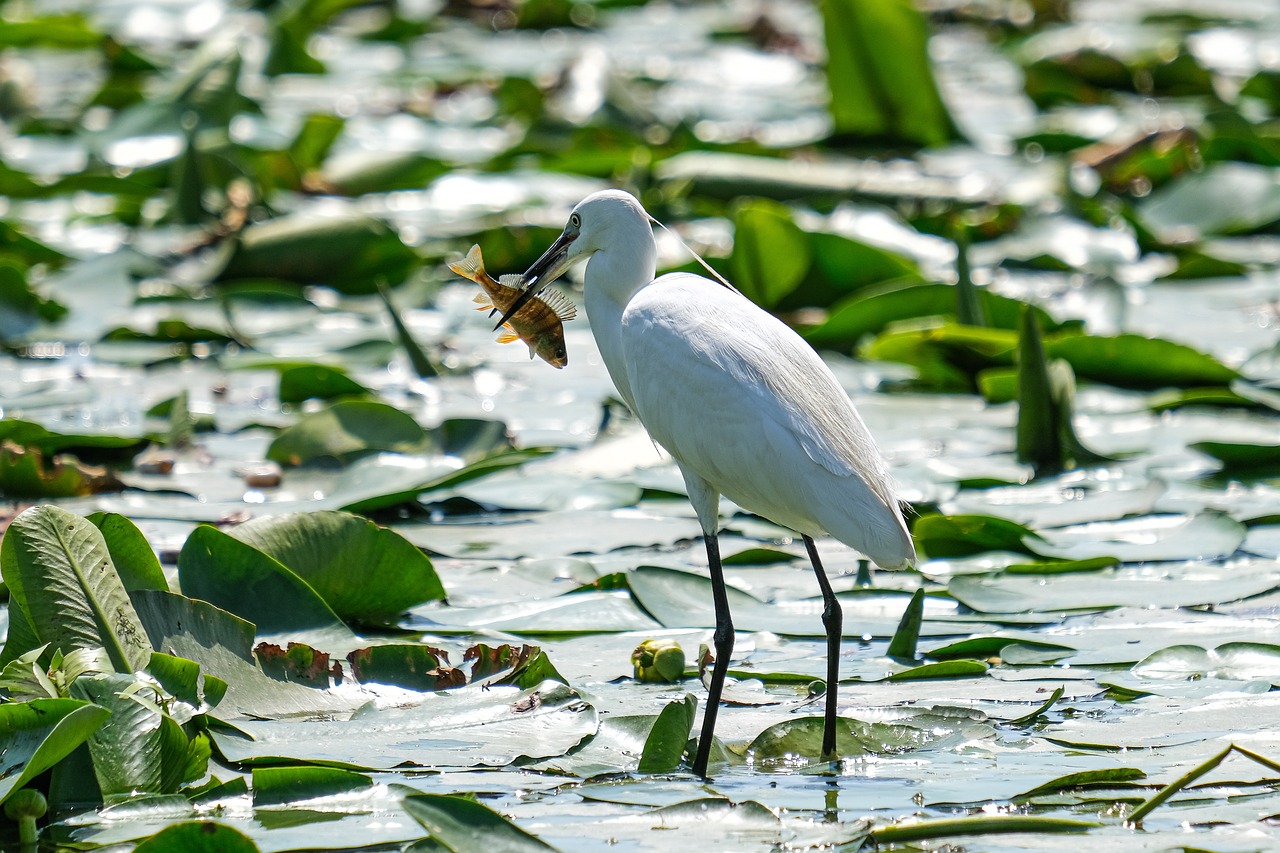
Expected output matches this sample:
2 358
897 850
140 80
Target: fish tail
472 266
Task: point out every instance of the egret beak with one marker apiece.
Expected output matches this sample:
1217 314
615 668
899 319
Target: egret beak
546 269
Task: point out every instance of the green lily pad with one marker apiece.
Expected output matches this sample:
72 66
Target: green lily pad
317 381
347 430
480 726
280 785
1238 457
1148 538
800 740
1122 587
962 535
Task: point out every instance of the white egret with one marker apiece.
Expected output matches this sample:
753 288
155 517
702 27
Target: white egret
745 407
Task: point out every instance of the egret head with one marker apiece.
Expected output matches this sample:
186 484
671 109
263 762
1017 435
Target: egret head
609 219
601 220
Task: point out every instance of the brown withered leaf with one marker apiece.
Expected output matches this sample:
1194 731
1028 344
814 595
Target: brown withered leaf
299 664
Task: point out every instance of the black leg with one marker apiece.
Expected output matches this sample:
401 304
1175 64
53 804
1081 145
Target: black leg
833 621
723 643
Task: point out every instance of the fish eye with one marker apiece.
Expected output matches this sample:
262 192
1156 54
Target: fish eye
575 220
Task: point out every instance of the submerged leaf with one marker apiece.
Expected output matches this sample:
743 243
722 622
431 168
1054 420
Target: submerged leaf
799 741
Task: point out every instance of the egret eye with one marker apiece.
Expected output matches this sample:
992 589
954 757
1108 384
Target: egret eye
575 220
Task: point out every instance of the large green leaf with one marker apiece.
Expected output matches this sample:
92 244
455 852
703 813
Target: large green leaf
139 749
770 252
60 574
235 576
879 73
346 252
363 572
462 825
40 733
134 559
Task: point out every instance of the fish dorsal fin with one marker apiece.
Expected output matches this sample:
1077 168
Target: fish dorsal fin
559 303
471 266
512 280
507 337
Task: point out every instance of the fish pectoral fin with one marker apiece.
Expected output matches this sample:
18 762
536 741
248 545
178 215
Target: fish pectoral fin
508 337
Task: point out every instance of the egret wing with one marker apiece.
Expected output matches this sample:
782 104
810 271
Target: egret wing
734 394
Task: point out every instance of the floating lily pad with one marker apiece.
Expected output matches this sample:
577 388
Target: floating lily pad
346 431
488 726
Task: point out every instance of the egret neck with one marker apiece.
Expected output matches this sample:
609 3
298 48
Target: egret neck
615 273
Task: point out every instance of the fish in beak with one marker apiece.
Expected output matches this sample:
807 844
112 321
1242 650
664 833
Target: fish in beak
546 269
